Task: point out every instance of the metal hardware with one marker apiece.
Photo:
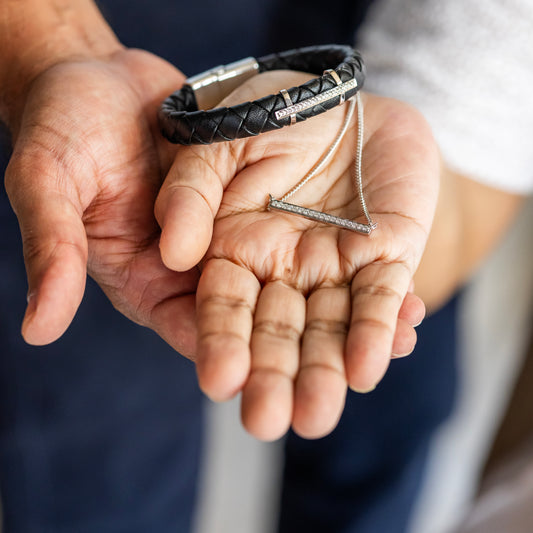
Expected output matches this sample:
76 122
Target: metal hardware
319 216
340 90
211 86
288 103
338 81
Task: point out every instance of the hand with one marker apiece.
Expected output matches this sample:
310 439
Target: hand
289 311
88 161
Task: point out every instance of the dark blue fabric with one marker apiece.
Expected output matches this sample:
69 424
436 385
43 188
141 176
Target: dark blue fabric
101 431
194 36
365 476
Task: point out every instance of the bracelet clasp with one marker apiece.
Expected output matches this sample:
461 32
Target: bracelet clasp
214 84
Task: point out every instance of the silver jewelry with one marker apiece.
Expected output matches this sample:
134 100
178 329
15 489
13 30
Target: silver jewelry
340 90
289 105
319 216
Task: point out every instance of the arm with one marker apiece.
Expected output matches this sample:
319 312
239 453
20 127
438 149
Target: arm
465 66
86 166
470 219
37 34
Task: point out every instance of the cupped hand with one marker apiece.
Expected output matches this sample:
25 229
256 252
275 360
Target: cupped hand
87 164
290 311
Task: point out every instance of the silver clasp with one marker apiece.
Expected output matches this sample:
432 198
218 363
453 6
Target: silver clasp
213 85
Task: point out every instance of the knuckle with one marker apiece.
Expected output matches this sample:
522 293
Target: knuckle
35 247
328 327
278 329
379 291
218 336
374 323
229 302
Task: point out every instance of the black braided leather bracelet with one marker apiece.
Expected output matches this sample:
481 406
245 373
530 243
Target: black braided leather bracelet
186 116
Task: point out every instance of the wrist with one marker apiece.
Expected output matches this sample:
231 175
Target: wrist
38 34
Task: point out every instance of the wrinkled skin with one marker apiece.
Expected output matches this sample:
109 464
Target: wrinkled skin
88 162
289 311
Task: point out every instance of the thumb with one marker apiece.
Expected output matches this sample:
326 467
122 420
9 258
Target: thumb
55 252
192 192
189 201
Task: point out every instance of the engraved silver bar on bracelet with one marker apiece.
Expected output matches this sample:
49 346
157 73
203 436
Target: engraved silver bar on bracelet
337 80
288 103
319 216
340 90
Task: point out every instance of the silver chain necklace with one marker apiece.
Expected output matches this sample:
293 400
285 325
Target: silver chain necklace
319 216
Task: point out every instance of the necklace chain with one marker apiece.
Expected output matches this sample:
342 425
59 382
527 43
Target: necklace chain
359 157
326 157
279 204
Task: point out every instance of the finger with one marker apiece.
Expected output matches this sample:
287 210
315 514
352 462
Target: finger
412 310
188 203
55 254
158 298
320 390
174 320
378 291
226 299
404 339
267 401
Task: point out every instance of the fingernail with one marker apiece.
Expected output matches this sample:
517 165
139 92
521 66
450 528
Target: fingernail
399 355
363 391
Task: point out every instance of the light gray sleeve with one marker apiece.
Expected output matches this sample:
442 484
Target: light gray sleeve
467 65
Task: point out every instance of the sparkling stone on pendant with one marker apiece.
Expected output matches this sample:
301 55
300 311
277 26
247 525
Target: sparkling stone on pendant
319 216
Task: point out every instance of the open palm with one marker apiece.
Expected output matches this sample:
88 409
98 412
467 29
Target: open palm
291 311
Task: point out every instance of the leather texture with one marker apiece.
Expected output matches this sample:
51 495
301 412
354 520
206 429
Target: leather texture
182 123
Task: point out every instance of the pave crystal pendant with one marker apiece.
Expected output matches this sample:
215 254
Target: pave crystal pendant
319 216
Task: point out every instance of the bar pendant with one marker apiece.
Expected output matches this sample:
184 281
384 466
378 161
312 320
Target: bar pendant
319 216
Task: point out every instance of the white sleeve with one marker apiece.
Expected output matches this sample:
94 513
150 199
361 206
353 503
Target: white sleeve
467 65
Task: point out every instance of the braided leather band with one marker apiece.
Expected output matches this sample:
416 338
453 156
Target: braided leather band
184 122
